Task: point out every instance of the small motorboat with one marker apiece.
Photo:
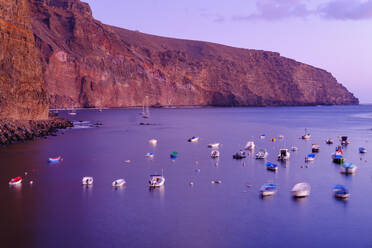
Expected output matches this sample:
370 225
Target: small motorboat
215 154
281 136
156 180
268 189
340 191
301 190
87 180
214 145
216 181
283 155
153 142
329 141
240 155
348 168
344 140
263 136
15 181
55 160
294 148
261 154
271 166
250 146
193 139
337 158
174 155
306 135
362 150
315 148
310 157
149 155
118 182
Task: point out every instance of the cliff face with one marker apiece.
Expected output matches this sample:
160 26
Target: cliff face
90 64
22 92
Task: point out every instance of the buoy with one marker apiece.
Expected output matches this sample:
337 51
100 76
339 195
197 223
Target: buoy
25 173
31 182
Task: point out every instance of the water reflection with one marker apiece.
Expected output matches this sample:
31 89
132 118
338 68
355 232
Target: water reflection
157 192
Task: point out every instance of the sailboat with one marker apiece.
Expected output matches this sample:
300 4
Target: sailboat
145 108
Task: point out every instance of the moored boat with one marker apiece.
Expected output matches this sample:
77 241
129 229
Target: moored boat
193 139
344 140
315 148
87 180
271 166
262 136
348 168
15 181
215 154
301 190
214 145
250 145
55 160
149 155
118 182
329 141
261 154
337 158
310 157
174 155
340 191
153 142
240 155
306 135
294 148
268 189
362 150
283 155
156 180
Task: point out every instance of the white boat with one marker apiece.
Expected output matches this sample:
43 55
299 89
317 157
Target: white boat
214 145
281 136
250 145
315 148
72 112
301 190
15 181
340 192
261 154
310 157
118 182
193 139
348 168
240 155
149 155
215 154
268 189
329 141
362 150
344 140
156 181
262 136
283 154
87 180
153 142
294 148
306 135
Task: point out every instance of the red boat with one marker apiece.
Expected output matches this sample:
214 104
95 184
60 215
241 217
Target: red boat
16 180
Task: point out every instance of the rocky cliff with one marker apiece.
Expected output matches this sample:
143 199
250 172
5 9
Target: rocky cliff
90 64
22 91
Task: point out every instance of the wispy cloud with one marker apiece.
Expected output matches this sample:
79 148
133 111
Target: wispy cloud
333 9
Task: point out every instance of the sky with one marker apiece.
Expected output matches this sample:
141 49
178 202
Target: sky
335 35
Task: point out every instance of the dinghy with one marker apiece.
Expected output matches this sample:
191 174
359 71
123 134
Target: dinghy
340 192
294 148
271 166
240 155
174 155
149 155
118 183
214 145
215 154
315 148
283 155
306 135
268 189
87 180
250 146
329 141
193 139
15 181
362 150
262 136
344 140
156 181
348 168
153 142
261 154
281 136
301 190
310 157
55 160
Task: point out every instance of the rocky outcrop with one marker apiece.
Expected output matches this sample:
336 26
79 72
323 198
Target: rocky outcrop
90 64
12 131
22 91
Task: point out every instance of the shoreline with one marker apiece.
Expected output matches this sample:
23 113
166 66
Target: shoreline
14 131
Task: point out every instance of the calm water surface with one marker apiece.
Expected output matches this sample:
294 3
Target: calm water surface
57 211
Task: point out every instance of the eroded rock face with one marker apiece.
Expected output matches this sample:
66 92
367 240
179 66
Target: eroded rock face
90 64
22 92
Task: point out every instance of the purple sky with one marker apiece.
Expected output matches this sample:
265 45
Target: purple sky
335 35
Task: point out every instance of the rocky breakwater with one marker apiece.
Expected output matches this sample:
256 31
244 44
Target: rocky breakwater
90 64
18 130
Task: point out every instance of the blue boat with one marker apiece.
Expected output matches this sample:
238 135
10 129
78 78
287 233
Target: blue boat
271 166
337 158
310 157
348 168
55 160
174 155
362 150
340 191
268 189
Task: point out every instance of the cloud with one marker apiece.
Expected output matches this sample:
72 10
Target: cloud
272 10
346 10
